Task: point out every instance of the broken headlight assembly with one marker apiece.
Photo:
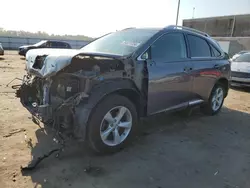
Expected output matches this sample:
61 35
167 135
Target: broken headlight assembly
39 62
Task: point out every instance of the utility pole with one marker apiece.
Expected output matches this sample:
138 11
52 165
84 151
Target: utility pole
177 12
193 12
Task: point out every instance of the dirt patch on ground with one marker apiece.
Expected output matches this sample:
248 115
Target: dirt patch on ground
171 151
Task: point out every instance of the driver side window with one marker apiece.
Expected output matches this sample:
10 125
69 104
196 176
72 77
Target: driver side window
46 45
169 47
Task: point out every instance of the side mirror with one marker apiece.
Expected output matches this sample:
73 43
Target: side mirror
226 55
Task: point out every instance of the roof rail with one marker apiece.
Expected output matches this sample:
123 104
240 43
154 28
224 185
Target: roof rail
128 28
188 29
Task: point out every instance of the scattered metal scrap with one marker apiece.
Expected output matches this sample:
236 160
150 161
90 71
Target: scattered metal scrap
7 85
34 163
14 132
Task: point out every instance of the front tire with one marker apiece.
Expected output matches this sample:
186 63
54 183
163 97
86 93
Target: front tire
111 124
215 102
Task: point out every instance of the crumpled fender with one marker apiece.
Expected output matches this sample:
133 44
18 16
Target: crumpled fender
54 61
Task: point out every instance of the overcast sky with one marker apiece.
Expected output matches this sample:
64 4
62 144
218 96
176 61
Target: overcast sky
97 17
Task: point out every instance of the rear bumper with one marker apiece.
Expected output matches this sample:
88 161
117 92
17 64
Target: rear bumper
240 82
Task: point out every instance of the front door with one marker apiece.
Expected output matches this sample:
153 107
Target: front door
168 69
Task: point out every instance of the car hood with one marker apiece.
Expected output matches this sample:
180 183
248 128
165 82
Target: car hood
53 60
240 66
25 46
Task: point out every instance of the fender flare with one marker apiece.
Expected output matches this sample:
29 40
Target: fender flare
221 79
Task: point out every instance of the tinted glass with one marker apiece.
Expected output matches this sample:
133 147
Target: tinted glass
243 58
41 43
198 47
122 43
54 44
60 45
48 45
170 47
66 45
215 52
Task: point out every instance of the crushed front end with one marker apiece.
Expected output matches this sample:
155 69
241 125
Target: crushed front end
53 100
58 90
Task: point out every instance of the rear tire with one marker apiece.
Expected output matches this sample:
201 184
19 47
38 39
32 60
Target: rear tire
108 130
215 102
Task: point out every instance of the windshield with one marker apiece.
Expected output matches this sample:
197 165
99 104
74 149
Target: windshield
40 43
120 43
243 58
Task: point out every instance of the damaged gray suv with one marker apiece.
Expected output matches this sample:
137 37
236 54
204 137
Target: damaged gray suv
98 93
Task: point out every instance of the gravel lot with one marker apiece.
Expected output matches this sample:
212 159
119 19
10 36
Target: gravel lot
170 151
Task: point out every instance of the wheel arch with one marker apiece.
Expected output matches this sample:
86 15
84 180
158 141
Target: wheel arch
224 82
123 87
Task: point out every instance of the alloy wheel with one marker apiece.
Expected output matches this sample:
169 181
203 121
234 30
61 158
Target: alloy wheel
116 126
217 99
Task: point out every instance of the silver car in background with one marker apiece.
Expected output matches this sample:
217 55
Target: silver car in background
238 54
240 70
1 49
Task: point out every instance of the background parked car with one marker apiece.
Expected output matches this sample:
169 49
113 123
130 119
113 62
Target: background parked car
238 54
44 44
240 70
1 49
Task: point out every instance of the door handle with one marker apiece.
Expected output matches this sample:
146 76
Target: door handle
216 66
151 62
187 69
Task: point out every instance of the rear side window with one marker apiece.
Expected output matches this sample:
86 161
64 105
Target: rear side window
63 45
170 47
66 45
198 47
60 45
215 52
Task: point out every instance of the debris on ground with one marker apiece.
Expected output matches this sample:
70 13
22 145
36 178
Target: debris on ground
14 176
93 170
216 173
34 163
29 143
14 132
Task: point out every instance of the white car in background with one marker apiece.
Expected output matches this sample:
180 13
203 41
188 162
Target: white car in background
238 54
240 70
1 49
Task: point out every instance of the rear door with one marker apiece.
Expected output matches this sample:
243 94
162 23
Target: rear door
206 62
55 44
61 45
169 79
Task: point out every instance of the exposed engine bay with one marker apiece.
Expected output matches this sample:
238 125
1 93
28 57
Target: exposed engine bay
54 98
52 101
